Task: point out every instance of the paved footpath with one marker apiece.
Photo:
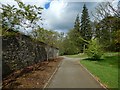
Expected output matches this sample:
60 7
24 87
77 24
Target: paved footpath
72 75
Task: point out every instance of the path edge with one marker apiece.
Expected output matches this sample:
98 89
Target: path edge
46 84
93 76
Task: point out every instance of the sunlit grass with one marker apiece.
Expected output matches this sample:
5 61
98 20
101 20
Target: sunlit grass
80 55
106 70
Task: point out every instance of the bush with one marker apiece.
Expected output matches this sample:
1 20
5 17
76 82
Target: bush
94 50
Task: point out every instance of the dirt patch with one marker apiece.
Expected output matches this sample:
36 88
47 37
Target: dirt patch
33 76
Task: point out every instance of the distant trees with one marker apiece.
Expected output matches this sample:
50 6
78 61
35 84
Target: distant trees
74 34
106 31
80 35
82 31
69 47
107 25
105 28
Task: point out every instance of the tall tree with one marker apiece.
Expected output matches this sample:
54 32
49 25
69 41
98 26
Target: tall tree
74 34
77 24
85 27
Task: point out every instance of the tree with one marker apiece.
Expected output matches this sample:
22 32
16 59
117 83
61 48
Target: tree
24 17
117 40
9 18
77 24
107 20
94 50
106 30
106 9
69 48
60 41
85 27
75 33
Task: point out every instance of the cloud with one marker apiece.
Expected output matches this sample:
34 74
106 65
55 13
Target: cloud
57 16
61 14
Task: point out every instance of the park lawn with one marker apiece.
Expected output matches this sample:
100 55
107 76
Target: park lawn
81 55
105 70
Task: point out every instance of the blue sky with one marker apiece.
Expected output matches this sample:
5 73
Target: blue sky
59 15
47 5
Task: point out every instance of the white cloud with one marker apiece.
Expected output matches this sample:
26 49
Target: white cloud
57 16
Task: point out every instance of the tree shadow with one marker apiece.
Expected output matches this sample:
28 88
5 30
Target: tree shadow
111 61
10 80
92 59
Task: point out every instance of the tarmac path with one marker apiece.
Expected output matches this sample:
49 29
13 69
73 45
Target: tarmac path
72 75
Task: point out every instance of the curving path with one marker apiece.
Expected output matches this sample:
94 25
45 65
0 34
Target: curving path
72 75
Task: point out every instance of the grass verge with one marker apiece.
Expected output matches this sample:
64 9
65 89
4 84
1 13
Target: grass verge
105 70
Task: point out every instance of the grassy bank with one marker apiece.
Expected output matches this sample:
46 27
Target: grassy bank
105 70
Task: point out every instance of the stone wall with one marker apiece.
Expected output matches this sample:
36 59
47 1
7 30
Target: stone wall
20 51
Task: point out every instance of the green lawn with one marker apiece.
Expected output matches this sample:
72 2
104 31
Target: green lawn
106 70
81 55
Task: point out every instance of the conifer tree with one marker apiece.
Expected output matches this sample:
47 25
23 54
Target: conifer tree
77 24
85 27
85 30
74 34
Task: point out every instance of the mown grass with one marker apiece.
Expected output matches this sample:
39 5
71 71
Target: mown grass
106 70
81 55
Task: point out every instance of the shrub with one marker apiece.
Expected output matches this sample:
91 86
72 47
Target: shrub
94 50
